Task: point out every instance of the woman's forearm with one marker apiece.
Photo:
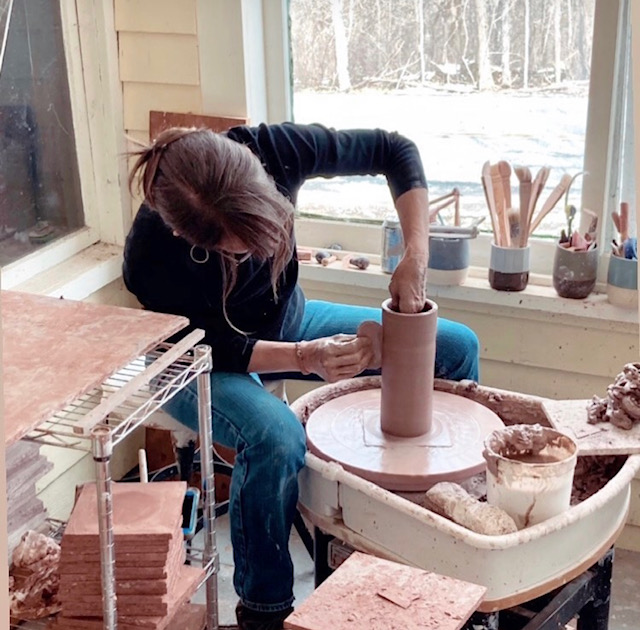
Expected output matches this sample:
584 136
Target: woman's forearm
274 356
413 212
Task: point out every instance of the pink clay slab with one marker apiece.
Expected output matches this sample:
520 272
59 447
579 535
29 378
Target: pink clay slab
140 511
44 337
347 430
367 593
187 584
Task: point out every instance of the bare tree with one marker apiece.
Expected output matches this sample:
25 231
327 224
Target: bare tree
557 40
485 78
341 46
526 40
506 44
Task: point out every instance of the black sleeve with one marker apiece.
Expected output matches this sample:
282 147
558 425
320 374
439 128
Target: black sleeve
294 153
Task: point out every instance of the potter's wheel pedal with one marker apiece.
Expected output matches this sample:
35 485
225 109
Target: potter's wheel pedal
347 430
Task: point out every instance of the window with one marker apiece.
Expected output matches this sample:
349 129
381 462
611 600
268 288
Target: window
467 81
62 143
40 198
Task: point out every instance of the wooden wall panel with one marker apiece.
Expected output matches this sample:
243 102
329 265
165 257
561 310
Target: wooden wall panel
140 98
156 16
159 58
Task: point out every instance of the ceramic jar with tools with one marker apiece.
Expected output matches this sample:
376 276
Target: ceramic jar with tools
509 261
622 273
575 264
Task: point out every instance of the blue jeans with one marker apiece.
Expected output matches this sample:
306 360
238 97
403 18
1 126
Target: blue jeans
270 445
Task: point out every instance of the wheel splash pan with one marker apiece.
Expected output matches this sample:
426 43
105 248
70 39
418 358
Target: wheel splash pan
514 567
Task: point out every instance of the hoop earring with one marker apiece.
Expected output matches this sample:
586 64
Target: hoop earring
196 260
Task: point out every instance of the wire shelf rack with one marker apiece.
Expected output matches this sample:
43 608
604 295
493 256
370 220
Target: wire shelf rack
124 401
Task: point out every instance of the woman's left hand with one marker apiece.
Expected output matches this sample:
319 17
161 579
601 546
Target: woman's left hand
408 283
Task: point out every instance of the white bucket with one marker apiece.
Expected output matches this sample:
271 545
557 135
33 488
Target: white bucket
530 472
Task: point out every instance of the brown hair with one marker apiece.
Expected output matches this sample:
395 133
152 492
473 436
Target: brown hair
206 187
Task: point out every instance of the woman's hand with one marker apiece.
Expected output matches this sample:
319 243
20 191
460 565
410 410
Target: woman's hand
337 357
408 284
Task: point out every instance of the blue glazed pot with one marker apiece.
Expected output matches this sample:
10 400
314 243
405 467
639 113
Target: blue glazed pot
448 260
622 282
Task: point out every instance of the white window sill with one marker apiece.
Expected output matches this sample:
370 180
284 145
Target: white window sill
539 296
77 277
99 265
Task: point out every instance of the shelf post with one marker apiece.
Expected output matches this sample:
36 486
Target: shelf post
203 353
102 446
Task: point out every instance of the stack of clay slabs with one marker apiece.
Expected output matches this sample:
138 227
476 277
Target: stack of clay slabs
152 581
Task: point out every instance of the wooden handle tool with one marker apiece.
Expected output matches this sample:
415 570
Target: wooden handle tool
498 193
524 177
504 169
624 221
552 200
487 185
536 189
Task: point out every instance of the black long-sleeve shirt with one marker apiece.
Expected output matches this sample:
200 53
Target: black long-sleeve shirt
160 272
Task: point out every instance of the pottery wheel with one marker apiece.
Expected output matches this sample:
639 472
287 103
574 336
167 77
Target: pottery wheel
347 430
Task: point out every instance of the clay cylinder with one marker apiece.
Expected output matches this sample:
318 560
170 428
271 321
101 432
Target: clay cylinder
408 365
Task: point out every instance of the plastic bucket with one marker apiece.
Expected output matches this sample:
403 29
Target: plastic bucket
530 472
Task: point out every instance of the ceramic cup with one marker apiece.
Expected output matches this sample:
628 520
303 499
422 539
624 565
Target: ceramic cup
574 273
448 260
509 268
622 282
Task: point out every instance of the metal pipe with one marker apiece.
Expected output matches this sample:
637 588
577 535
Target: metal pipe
102 447
203 352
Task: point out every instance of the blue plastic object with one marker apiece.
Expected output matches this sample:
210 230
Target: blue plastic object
190 511
630 248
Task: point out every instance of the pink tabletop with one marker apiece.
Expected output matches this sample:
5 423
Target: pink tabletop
55 350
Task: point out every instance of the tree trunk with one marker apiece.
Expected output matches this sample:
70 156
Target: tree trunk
527 37
557 40
341 47
506 44
421 51
485 78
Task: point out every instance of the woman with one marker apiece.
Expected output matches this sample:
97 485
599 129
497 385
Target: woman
214 242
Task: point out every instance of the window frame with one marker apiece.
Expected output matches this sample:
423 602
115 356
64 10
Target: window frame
90 50
601 153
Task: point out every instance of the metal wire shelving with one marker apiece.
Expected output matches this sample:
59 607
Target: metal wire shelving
103 417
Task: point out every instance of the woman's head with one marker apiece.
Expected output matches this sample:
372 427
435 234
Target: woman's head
215 194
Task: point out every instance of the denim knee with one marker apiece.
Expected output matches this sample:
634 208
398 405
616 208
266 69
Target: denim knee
457 352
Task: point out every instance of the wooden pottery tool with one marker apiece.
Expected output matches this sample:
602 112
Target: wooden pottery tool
536 188
624 221
491 202
504 169
524 177
498 193
552 200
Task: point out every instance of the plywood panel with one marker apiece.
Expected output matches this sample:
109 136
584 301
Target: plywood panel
141 98
156 16
159 58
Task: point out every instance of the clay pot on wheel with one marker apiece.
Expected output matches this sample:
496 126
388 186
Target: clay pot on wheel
408 366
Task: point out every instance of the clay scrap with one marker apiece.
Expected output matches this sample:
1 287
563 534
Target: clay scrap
152 581
33 578
621 405
368 593
453 502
